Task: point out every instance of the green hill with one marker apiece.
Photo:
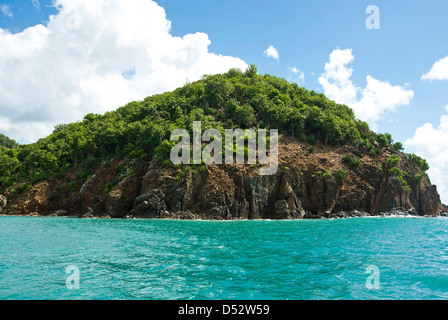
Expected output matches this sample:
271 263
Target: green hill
7 142
141 129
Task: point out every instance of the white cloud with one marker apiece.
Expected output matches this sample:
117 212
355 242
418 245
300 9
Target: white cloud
271 52
439 71
296 75
6 10
432 144
380 98
336 79
371 103
92 57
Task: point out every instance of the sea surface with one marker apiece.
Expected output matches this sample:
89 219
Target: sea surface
358 258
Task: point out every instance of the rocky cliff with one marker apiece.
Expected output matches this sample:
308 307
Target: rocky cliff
312 182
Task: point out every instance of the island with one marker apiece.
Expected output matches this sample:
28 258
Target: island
117 165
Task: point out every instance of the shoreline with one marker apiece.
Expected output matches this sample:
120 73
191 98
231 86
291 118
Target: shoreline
337 216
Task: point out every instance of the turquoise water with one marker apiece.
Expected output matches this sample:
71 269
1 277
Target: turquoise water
160 259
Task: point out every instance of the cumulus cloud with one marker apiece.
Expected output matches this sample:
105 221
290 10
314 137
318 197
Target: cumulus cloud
296 74
380 98
432 144
371 103
92 57
272 52
336 80
439 71
6 10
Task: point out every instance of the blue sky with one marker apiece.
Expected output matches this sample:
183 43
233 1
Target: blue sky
26 14
411 38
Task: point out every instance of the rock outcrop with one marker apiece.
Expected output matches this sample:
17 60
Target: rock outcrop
3 203
307 185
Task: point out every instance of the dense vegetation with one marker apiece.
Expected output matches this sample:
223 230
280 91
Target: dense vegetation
141 130
7 142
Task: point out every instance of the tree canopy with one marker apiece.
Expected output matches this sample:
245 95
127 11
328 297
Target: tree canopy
235 99
7 142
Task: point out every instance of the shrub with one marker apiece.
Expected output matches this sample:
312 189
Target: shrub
419 161
342 175
120 169
140 154
365 143
393 161
379 169
356 162
312 139
22 187
419 177
398 146
181 173
353 162
163 151
110 186
327 174
39 176
375 152
347 158
389 139
85 175
382 140
396 172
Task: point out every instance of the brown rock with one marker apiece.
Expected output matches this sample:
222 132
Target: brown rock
3 203
150 205
236 192
114 204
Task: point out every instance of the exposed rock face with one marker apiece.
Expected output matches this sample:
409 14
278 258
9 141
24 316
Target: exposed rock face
150 205
3 203
114 204
305 186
